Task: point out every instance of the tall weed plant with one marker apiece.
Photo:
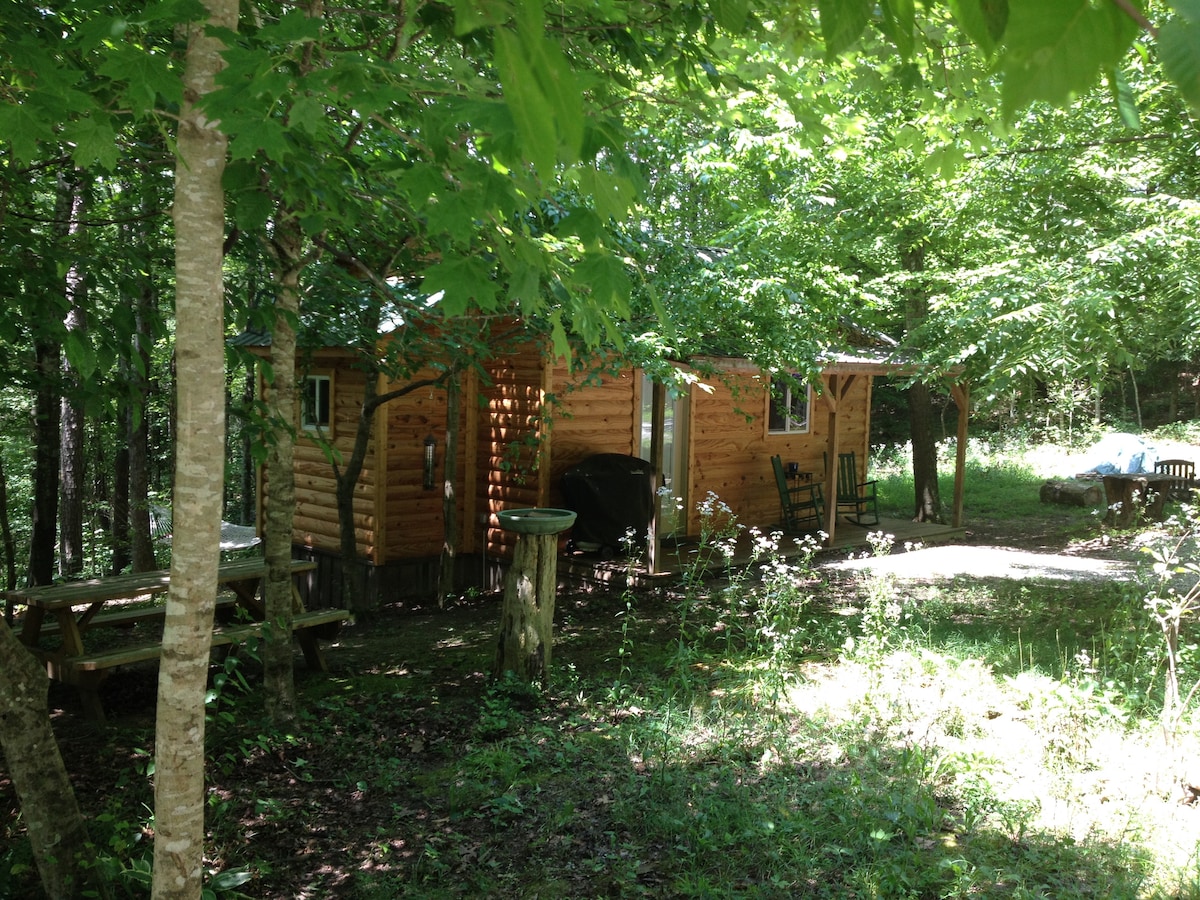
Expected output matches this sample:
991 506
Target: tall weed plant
763 598
1172 603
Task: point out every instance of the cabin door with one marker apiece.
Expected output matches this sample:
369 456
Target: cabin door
673 501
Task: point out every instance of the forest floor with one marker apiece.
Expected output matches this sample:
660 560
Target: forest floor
324 813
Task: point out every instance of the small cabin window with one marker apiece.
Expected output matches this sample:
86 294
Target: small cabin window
788 407
316 403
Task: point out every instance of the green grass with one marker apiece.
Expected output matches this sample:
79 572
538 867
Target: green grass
777 733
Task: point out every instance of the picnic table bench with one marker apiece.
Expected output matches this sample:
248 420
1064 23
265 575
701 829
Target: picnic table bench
76 609
1127 494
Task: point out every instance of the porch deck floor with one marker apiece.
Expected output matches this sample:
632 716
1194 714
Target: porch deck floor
590 570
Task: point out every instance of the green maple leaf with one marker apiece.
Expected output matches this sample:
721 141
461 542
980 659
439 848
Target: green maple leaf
530 111
307 114
22 128
984 21
464 280
267 135
731 14
94 140
607 280
145 75
1179 48
842 23
1054 51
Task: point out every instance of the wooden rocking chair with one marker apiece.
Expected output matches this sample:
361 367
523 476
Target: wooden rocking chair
1183 473
858 497
803 505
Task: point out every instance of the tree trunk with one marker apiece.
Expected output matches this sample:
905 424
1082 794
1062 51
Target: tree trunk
246 511
279 687
6 538
199 217
527 615
139 438
447 575
924 448
1137 398
347 478
119 530
71 418
71 429
56 828
45 464
920 406
46 421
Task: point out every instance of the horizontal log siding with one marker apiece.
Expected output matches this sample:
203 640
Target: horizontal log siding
316 523
414 520
507 443
731 457
598 417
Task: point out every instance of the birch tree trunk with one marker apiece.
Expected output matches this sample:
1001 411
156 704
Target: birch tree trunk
71 420
199 473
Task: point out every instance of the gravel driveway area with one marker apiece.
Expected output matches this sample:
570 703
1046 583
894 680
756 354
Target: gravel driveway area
953 560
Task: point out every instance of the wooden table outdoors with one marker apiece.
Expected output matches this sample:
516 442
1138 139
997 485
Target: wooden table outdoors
74 611
1126 494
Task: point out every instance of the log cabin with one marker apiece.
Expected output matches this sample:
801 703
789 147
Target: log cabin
525 419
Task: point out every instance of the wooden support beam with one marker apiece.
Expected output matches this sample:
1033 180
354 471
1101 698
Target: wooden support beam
658 415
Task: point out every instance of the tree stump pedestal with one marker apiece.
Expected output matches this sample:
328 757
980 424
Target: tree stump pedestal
526 637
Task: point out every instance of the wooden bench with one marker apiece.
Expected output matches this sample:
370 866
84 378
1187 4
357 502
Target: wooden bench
72 611
88 671
134 615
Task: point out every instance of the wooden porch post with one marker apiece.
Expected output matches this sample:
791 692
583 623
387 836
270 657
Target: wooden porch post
658 407
832 397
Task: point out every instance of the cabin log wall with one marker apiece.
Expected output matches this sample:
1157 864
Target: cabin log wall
731 457
508 440
600 415
316 524
414 516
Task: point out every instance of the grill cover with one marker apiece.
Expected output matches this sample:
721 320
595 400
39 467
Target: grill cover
611 494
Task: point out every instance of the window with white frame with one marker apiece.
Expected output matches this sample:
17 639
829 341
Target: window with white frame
316 403
788 406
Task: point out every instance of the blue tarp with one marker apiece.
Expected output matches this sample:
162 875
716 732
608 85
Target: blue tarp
1124 454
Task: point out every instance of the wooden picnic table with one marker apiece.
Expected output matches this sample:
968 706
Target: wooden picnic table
1126 494
76 609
